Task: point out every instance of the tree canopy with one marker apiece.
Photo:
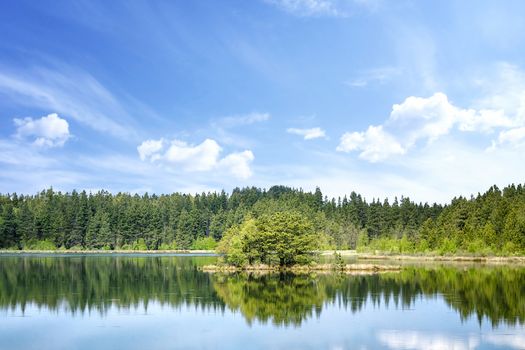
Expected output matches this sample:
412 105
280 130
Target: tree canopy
492 222
283 238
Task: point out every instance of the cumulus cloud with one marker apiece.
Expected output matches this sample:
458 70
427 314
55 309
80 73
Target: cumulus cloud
375 144
48 131
149 149
238 164
423 119
513 136
196 158
307 134
202 157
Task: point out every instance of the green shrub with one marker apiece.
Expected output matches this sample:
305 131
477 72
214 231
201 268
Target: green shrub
362 242
405 245
447 246
423 246
204 243
41 245
510 248
478 246
139 244
168 246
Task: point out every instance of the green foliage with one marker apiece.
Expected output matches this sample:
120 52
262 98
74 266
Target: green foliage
282 238
447 246
490 223
362 242
204 243
339 263
139 244
40 245
168 246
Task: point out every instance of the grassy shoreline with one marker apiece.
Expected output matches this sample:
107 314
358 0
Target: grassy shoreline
426 257
344 253
347 268
100 251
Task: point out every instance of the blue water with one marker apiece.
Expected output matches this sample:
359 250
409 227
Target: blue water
167 303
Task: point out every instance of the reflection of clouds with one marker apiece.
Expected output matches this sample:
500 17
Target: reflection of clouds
516 341
424 341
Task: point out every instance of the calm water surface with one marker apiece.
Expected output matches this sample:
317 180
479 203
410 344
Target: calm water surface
165 302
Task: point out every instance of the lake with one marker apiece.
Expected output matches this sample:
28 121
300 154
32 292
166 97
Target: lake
166 302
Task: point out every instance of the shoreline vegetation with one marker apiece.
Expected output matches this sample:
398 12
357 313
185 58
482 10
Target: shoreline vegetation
345 268
279 225
103 251
380 256
383 256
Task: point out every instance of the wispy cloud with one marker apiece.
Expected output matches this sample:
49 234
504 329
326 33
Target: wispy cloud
380 76
240 120
325 8
70 92
308 134
224 128
308 7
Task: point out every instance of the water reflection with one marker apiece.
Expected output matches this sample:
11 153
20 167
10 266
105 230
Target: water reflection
79 284
90 283
416 340
279 298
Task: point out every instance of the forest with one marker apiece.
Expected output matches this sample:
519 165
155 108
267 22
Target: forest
489 223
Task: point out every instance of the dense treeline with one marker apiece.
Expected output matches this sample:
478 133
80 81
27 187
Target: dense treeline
493 221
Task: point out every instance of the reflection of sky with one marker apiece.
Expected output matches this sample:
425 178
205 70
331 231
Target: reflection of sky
429 325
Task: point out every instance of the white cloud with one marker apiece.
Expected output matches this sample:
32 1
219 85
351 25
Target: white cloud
238 164
196 158
48 131
149 149
422 119
308 134
375 144
513 136
202 157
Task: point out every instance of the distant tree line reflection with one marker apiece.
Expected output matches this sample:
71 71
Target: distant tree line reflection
80 284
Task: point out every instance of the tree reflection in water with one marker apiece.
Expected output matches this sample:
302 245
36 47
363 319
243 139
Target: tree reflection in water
79 284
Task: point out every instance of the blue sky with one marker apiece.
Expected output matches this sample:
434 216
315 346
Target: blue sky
384 98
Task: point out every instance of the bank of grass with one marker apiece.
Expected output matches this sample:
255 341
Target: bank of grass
447 247
202 244
345 268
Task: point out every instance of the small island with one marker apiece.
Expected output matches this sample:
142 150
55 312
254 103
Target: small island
280 241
